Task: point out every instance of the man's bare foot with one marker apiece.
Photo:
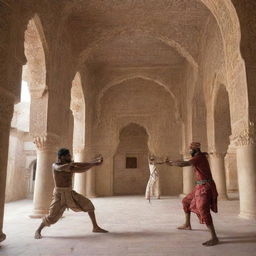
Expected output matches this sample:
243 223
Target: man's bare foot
2 237
38 235
211 242
99 230
184 227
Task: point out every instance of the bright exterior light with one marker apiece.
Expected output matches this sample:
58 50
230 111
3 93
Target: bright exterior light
25 95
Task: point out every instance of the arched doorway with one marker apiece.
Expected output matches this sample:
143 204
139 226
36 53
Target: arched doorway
130 161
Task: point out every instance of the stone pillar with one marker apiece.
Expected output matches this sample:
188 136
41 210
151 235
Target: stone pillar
46 155
101 177
80 178
90 183
90 176
6 113
188 178
231 169
84 183
246 167
217 161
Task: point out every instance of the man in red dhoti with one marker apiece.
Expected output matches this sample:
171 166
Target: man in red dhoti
204 197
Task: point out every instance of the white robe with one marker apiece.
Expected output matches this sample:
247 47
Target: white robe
153 186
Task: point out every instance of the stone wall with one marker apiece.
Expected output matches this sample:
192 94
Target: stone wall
147 104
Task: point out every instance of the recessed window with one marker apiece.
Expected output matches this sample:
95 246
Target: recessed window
131 162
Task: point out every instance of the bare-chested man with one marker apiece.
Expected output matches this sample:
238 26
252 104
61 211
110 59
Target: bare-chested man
63 196
204 197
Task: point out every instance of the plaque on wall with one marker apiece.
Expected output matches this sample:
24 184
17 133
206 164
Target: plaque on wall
131 163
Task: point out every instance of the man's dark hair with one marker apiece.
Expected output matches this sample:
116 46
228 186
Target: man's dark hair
63 152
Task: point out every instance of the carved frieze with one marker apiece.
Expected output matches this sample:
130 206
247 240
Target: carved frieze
47 142
246 137
217 154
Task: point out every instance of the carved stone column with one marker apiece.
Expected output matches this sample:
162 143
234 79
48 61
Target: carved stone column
46 155
217 161
101 177
188 178
90 176
231 169
80 178
246 167
6 113
84 183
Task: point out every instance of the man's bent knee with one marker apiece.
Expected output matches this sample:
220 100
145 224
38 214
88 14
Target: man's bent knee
50 221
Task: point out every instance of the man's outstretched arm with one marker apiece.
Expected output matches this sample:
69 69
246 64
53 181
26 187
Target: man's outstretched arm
160 162
83 167
179 163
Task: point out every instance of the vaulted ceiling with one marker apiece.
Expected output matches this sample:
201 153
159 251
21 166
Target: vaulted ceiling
136 32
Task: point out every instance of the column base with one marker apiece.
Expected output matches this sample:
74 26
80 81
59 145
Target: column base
223 197
38 214
182 195
2 237
93 195
233 191
248 216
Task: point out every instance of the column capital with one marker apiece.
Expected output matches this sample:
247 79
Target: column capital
247 137
46 142
37 92
104 152
217 154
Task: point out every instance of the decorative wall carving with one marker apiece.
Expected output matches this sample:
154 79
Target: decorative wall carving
36 65
47 142
247 136
217 155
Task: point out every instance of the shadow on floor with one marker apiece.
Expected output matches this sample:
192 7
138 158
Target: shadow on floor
116 235
135 235
238 239
196 229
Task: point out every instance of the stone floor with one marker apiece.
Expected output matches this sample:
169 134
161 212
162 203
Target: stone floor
136 227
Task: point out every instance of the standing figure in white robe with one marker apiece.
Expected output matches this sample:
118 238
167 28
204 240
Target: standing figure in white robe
153 187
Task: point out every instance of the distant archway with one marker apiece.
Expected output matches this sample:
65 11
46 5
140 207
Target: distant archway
130 161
